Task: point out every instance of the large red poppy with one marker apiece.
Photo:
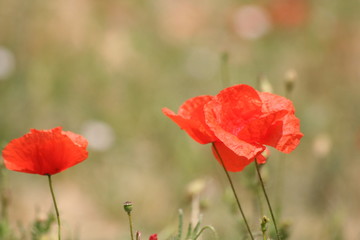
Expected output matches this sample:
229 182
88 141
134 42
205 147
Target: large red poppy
45 152
240 121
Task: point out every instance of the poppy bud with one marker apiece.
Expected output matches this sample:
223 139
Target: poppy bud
128 206
264 222
196 187
153 237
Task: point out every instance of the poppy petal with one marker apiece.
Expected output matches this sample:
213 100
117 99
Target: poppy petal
228 113
284 131
233 107
258 129
240 147
232 161
77 139
191 119
274 103
288 132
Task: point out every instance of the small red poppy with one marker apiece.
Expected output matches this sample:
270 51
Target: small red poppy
153 237
45 152
240 121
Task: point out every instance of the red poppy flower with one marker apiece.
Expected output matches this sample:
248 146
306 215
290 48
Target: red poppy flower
153 237
240 121
45 152
245 121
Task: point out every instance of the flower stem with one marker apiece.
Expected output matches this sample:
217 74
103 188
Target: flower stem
234 192
56 208
131 226
267 199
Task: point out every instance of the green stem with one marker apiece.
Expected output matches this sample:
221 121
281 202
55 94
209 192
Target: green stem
56 208
234 192
131 226
267 199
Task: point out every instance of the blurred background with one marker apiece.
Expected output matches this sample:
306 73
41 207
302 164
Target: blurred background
105 69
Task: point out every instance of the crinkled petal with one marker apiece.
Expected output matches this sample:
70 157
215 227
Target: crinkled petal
283 131
226 123
274 103
77 139
265 129
43 152
288 138
232 161
233 107
277 126
237 145
191 119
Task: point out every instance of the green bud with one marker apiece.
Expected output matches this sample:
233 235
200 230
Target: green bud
264 222
128 206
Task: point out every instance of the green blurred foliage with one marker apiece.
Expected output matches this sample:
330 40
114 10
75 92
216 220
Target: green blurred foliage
42 227
120 62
